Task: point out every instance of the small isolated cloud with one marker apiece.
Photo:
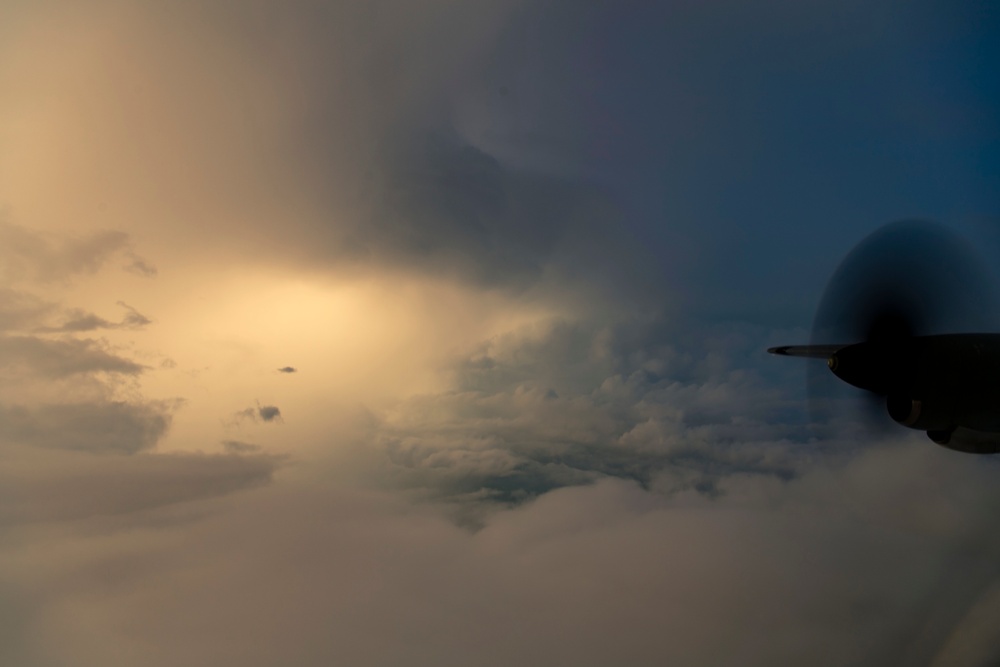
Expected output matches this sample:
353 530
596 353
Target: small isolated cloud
288 369
139 265
133 318
266 413
269 412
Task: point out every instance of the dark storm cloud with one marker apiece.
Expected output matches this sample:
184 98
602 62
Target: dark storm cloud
674 152
100 427
387 179
440 205
288 369
63 358
750 173
34 256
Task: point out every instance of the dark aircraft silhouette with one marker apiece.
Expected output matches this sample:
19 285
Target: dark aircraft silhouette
901 303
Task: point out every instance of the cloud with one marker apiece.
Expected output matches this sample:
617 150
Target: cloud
246 413
971 642
22 310
79 321
62 358
593 575
133 318
288 369
74 486
238 447
443 206
139 266
269 412
357 132
640 490
100 427
29 255
265 413
571 403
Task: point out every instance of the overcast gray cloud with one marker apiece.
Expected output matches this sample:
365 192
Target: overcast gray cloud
139 266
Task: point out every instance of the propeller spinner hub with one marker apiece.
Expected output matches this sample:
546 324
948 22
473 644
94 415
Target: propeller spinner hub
881 368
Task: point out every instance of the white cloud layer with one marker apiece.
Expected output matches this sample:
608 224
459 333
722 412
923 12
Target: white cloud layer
851 563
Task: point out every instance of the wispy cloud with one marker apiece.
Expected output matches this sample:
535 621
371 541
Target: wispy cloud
79 321
239 447
64 357
35 256
264 413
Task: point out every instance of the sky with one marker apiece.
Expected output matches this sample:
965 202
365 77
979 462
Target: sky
424 332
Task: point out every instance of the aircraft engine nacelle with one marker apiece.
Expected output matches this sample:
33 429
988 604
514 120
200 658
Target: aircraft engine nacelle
921 415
